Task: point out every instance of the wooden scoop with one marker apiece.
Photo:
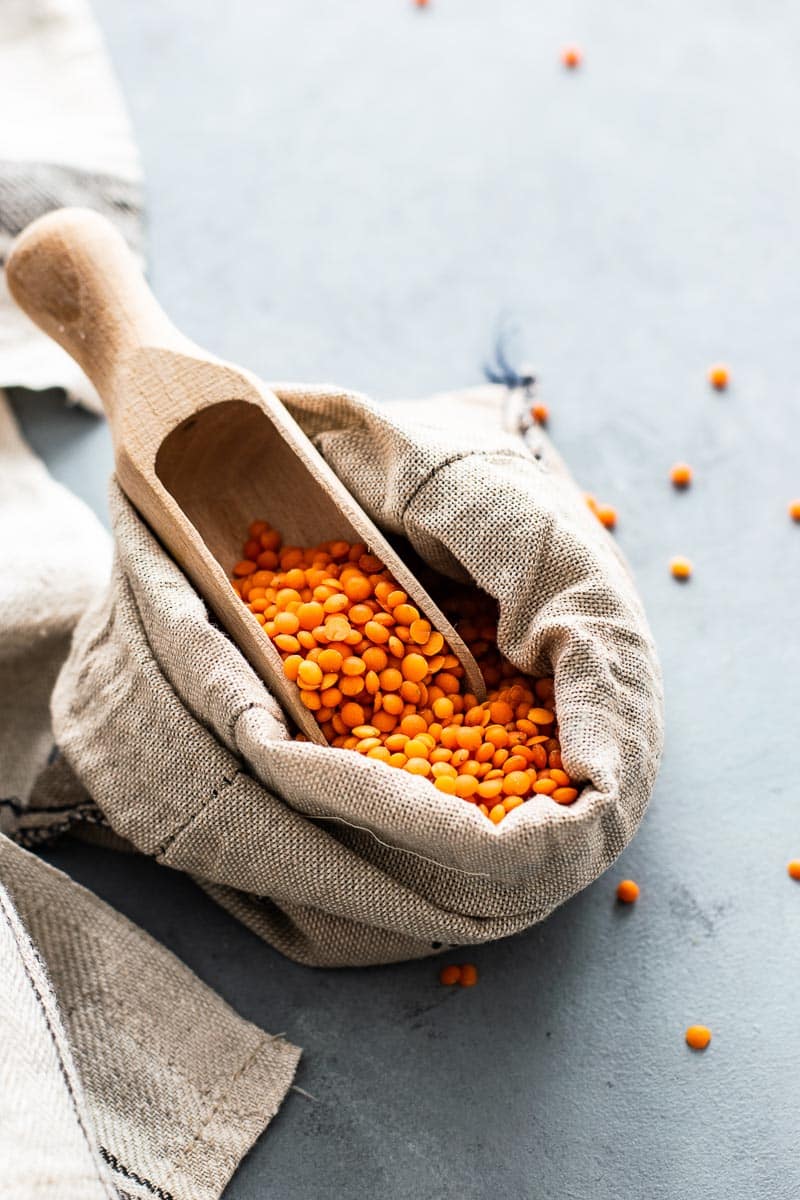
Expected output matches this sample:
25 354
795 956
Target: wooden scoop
201 447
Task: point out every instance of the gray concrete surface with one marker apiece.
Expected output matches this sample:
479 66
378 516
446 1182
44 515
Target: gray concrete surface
367 193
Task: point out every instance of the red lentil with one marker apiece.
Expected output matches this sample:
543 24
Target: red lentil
469 975
606 515
380 681
719 376
627 891
450 975
681 475
681 568
793 868
794 510
571 57
698 1036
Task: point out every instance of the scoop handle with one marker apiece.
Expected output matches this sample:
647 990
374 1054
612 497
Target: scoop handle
73 273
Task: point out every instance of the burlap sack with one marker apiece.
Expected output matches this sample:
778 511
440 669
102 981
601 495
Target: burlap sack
331 857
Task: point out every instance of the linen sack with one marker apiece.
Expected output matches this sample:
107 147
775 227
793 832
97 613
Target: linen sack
333 858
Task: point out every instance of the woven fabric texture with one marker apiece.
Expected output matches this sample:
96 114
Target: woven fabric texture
47 1145
333 858
46 533
121 1073
69 142
124 1069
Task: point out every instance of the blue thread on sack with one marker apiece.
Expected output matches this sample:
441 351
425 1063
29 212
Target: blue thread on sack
501 371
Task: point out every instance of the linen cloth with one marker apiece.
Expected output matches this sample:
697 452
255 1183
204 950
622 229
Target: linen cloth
65 139
121 1074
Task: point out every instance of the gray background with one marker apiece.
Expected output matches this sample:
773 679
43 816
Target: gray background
367 193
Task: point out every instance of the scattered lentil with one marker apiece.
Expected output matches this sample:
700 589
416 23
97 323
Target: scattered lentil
681 568
606 515
571 57
794 868
719 376
540 414
464 973
627 891
794 510
681 475
698 1036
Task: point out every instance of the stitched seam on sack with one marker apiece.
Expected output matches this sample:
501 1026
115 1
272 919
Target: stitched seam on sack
499 883
215 793
90 647
400 849
455 458
598 808
221 1100
50 1029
